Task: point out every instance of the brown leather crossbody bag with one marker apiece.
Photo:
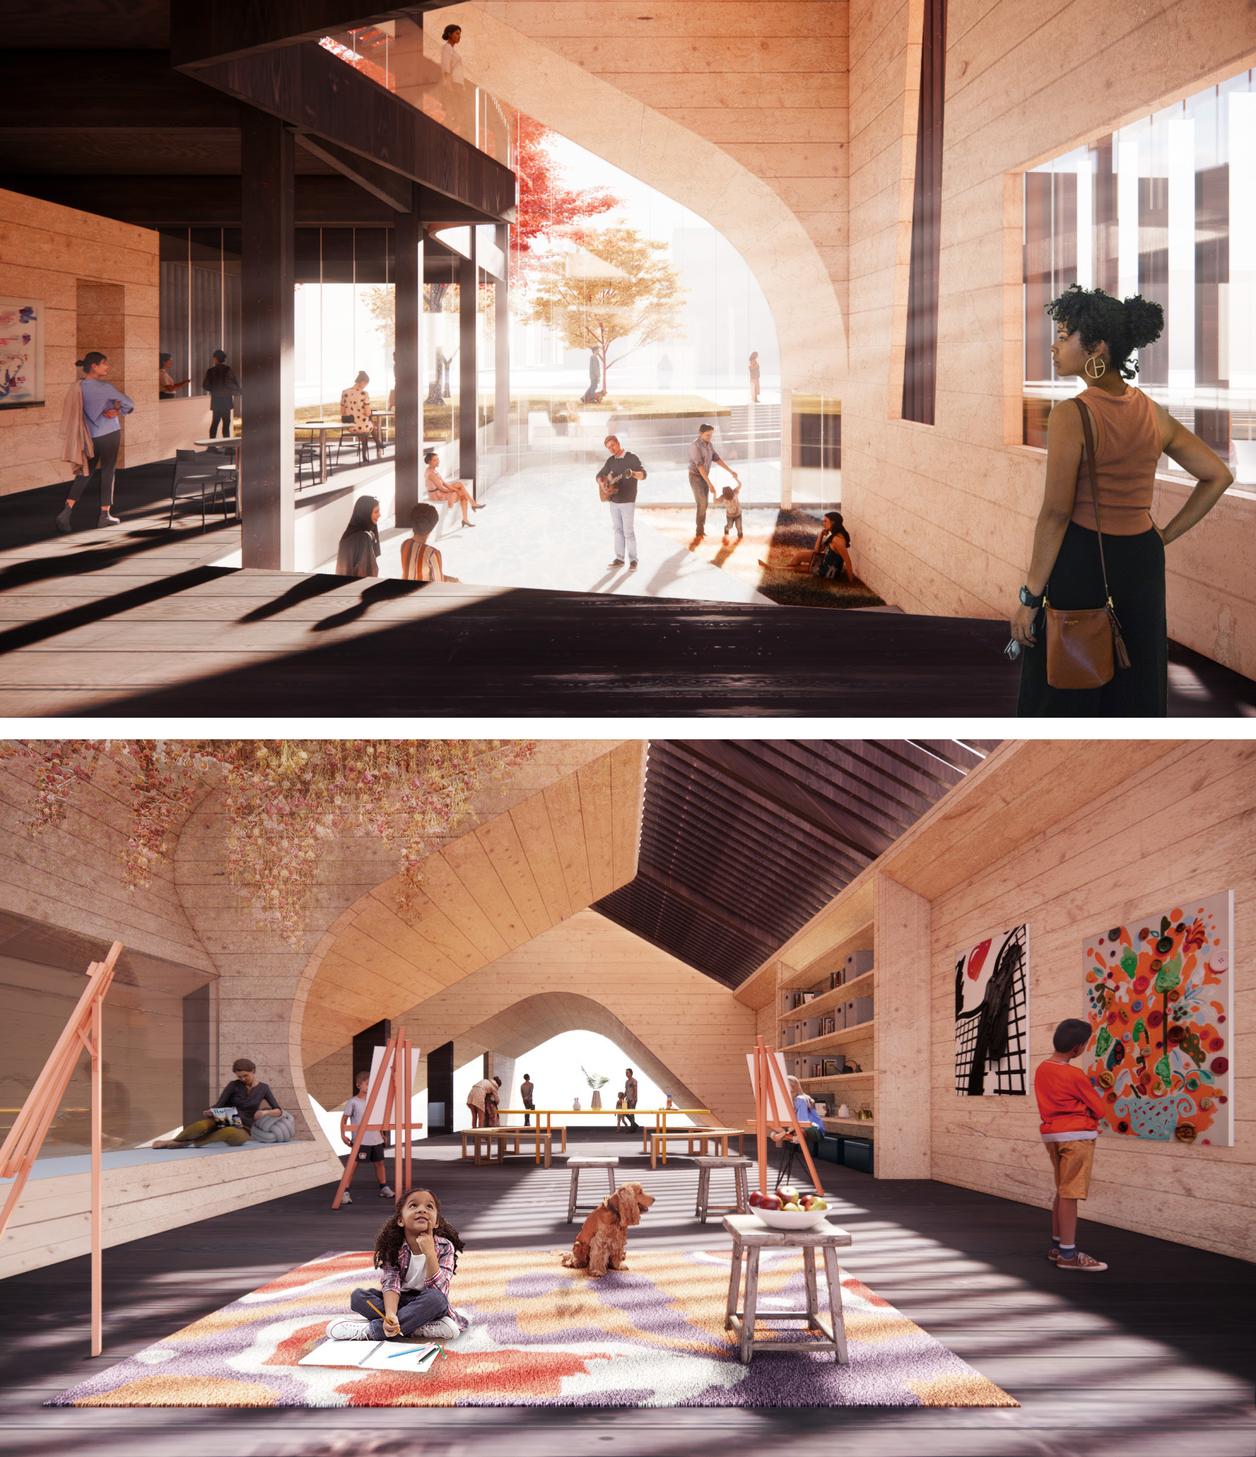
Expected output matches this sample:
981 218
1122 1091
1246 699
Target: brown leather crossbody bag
1084 645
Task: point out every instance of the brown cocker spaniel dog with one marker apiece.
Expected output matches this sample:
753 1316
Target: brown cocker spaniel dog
603 1239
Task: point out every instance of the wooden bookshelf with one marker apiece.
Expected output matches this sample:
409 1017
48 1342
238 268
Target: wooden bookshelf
859 986
836 1084
840 1038
844 1125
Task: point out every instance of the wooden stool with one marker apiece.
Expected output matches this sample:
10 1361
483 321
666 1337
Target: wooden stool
741 1187
752 1236
575 1165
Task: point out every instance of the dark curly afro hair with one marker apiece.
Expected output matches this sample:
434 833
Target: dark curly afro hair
1123 325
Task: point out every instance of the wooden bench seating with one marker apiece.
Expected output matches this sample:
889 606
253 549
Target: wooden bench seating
655 1141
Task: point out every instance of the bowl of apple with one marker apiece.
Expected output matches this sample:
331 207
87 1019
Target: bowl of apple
788 1209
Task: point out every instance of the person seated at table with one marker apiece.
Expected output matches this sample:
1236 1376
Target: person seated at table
446 492
166 382
243 1093
355 411
358 555
420 562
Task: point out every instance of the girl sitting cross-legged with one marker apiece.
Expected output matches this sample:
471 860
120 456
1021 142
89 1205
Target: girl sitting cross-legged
416 1253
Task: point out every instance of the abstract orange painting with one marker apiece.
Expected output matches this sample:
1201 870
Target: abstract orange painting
1159 1002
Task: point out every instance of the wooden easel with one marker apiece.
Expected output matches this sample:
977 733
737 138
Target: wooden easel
26 1137
394 1114
771 1088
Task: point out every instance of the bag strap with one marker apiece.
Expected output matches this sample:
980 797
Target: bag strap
1094 490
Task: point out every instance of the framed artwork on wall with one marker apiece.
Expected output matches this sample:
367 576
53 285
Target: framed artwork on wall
21 353
1159 999
992 1016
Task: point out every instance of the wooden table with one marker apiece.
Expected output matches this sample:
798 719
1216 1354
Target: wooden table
750 1235
655 1142
660 1118
322 427
485 1135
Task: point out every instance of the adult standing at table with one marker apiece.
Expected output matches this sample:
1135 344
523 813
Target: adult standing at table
477 1098
630 1097
166 382
526 1092
617 486
702 457
222 387
90 427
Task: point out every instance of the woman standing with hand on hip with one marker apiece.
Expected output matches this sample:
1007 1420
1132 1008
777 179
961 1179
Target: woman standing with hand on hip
1095 336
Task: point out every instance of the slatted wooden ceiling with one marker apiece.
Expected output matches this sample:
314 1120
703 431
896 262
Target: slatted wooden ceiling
743 841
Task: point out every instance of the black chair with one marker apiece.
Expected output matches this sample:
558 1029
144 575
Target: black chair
306 458
200 468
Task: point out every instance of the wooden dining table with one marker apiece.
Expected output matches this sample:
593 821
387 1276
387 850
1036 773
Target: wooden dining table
660 1115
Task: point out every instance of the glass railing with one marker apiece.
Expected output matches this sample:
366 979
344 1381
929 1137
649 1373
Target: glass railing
397 55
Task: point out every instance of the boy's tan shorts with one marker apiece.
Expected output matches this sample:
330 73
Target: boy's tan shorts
1072 1163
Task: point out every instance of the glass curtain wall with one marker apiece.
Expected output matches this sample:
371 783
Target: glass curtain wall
159 1037
1165 207
199 301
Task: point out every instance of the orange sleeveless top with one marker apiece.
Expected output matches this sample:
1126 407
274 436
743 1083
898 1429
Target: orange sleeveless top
1127 447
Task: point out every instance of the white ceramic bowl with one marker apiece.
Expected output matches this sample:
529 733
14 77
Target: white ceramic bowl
790 1219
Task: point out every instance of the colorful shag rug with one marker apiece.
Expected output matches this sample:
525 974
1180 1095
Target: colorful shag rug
542 1335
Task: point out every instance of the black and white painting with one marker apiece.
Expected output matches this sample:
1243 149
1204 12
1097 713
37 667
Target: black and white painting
992 1016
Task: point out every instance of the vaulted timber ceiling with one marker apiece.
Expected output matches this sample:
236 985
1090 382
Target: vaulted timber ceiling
743 841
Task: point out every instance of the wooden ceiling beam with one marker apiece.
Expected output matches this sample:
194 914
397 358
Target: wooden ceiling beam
389 187
216 30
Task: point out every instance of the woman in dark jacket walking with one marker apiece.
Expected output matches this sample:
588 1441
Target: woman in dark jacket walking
359 546
1095 336
222 387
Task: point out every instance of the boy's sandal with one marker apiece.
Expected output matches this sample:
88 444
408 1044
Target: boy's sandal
1081 1262
1053 1254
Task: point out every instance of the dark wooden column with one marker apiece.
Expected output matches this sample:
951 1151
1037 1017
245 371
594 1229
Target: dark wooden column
409 333
501 342
468 370
266 268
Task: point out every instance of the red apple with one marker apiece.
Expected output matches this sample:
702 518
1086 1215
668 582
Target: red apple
755 1198
770 1201
788 1193
807 1200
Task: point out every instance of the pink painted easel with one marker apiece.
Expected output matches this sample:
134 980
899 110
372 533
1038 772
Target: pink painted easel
26 1137
396 1092
770 1088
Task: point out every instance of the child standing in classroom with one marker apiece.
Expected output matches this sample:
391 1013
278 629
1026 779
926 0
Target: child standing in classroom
416 1253
1071 1110
372 1149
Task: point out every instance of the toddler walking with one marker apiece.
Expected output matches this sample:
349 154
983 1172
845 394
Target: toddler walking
416 1253
730 497
1071 1110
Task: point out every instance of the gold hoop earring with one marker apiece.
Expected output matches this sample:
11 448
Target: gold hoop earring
1099 371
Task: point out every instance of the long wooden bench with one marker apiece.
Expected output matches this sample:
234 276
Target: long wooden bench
485 1137
540 1140
656 1141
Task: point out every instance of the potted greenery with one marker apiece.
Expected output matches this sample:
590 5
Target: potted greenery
596 1082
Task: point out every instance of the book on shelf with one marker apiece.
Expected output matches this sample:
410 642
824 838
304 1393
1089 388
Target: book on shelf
827 1025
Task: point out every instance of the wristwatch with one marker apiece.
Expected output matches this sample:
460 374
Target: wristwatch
1028 598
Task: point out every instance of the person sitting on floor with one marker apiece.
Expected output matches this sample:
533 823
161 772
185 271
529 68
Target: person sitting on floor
371 1149
420 562
355 411
358 555
243 1093
416 1253
829 557
447 492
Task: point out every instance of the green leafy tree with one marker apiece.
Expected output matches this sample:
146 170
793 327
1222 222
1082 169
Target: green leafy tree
632 300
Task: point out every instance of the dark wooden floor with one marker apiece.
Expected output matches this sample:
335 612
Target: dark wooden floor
1155 1357
137 621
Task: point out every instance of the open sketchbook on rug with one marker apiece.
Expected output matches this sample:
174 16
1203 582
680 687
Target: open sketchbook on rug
379 1356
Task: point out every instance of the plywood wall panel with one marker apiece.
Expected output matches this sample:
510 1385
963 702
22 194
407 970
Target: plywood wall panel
1180 827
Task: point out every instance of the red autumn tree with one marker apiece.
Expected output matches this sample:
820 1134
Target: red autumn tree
546 203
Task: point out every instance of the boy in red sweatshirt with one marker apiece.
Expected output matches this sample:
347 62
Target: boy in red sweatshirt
1071 1110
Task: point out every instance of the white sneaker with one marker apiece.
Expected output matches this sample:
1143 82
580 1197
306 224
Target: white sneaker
444 1329
346 1198
386 1193
348 1328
